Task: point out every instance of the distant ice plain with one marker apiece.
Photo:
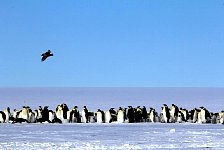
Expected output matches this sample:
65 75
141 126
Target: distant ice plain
104 98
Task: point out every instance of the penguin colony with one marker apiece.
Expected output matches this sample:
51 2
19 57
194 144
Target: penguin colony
63 114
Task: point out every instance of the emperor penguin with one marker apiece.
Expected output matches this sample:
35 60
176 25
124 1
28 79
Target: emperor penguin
91 117
15 114
113 114
84 115
99 116
70 116
120 115
138 114
31 118
110 115
180 117
214 117
203 115
69 113
130 114
185 113
75 116
165 114
194 115
24 114
125 114
38 113
174 110
152 115
221 117
52 115
45 114
7 114
144 114
65 110
59 112
2 117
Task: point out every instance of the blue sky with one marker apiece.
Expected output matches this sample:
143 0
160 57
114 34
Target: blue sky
148 43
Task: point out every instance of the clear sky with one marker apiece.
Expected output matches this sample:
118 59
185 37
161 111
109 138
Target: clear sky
117 43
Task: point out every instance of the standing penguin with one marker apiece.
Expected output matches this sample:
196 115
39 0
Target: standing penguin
152 115
59 112
108 118
32 118
185 113
2 117
130 114
165 114
221 117
144 114
99 116
85 115
38 113
65 110
45 114
214 118
110 115
120 115
138 114
7 114
15 114
75 116
195 115
203 115
174 113
52 115
180 117
24 114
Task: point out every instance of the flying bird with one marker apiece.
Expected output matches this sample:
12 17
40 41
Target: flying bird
46 55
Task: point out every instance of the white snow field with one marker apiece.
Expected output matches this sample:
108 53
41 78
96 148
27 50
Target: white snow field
111 136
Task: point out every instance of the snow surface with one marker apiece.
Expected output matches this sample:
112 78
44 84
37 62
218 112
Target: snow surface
111 136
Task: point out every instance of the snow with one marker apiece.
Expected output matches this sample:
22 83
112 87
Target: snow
111 136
